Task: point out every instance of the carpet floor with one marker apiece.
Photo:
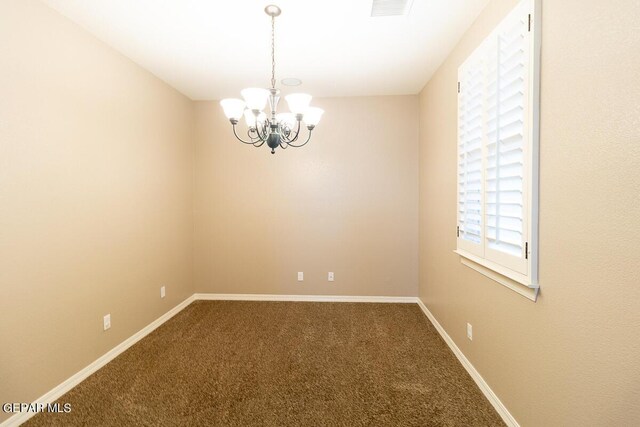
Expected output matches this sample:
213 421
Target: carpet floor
247 363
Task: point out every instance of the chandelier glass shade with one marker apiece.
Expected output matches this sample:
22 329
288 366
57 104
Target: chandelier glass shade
276 129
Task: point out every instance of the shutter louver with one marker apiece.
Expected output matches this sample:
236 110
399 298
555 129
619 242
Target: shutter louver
470 136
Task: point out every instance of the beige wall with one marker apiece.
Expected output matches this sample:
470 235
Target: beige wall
572 357
95 198
347 202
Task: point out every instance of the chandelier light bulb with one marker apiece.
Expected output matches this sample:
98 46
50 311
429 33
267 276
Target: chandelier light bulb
298 102
256 98
233 108
312 116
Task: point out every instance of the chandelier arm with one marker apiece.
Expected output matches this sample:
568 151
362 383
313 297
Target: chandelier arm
289 140
254 139
303 144
285 137
263 135
285 133
257 129
295 138
240 139
260 135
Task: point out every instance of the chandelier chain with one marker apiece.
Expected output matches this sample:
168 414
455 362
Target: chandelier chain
273 52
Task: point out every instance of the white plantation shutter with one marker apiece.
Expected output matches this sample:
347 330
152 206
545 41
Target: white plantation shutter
505 211
494 145
470 135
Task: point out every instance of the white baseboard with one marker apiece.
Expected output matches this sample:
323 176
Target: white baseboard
57 392
482 384
308 298
77 378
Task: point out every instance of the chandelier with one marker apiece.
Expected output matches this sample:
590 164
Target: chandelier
276 129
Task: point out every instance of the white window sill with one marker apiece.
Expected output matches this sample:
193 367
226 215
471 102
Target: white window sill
515 281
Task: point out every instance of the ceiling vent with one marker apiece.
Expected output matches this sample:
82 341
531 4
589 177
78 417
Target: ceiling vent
390 7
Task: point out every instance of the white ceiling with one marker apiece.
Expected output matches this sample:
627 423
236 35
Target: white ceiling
211 49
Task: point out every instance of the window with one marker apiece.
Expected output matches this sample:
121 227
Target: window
497 152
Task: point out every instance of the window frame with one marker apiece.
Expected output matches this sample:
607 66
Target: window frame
522 280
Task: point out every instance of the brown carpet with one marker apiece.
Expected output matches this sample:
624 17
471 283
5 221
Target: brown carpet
283 364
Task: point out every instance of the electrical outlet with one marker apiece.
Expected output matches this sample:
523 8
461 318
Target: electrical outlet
162 292
300 276
470 331
106 321
330 276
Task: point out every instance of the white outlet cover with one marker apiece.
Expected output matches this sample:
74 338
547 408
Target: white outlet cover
162 292
330 277
300 276
470 331
106 322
